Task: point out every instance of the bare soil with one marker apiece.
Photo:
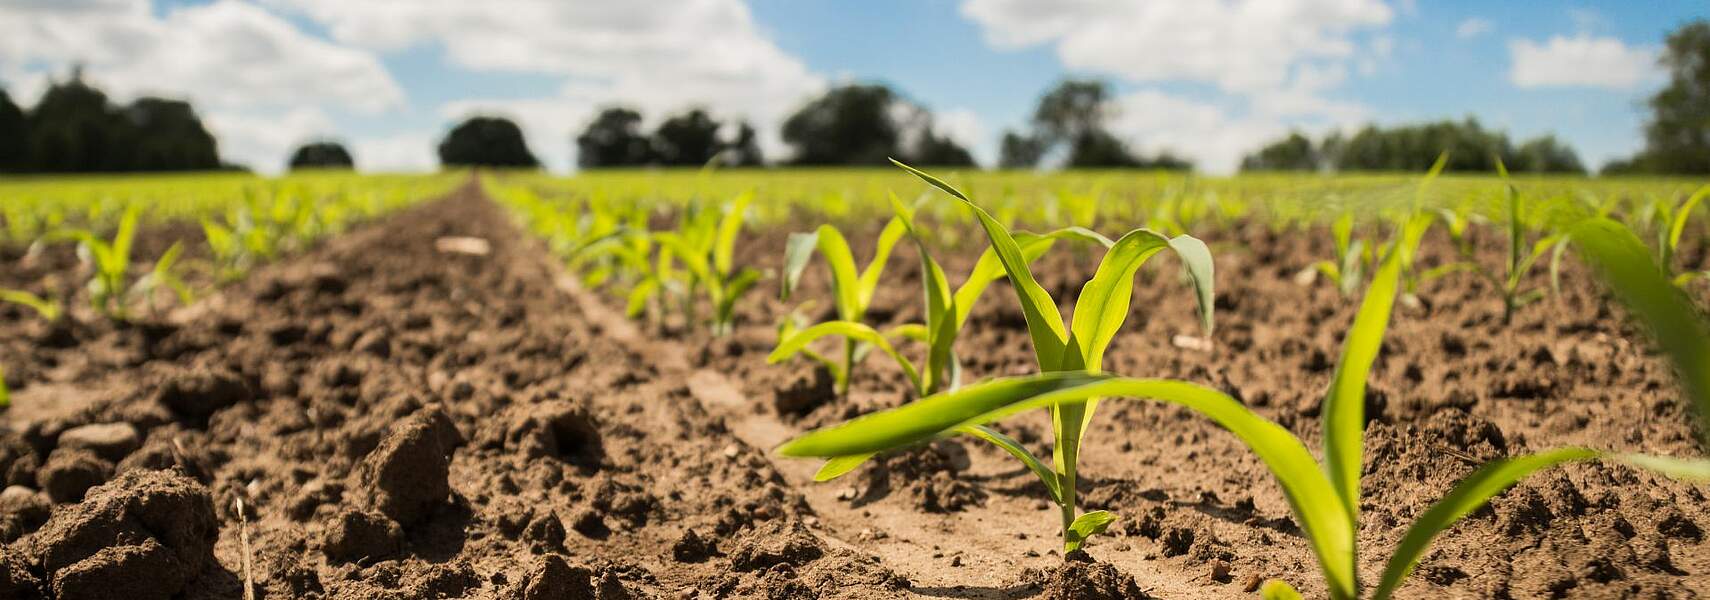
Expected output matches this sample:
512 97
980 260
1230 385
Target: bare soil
400 422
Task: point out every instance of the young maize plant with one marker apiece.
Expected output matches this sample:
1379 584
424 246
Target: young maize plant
1100 311
1668 242
107 289
1520 259
47 309
1352 255
852 288
946 312
706 245
5 393
164 274
1324 498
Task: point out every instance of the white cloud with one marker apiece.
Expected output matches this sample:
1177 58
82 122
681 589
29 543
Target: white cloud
965 128
223 55
1217 139
1473 27
1240 46
405 152
1581 61
1276 63
264 140
658 56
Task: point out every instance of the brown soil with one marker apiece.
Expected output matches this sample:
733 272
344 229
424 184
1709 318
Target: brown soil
398 422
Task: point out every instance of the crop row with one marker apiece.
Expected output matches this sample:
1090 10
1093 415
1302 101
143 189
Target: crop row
605 227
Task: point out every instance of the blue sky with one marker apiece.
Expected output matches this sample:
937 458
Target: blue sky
1211 80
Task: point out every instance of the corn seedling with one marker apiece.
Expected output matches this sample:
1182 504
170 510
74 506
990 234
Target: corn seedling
164 275
852 288
1520 259
1324 498
706 245
1100 310
112 261
946 311
47 309
1668 242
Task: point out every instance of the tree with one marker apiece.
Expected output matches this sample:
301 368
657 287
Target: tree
940 151
744 151
613 139
1098 149
688 139
73 130
14 136
850 125
1293 153
1416 147
168 136
1546 154
323 154
486 142
1019 151
1075 109
1677 136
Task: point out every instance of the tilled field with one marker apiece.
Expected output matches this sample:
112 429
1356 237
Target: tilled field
380 418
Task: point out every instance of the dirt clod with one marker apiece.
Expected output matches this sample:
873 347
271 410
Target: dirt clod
353 535
1079 580
406 476
197 393
148 532
776 543
691 547
554 578
71 472
112 441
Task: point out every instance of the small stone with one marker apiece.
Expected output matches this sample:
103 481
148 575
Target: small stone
956 561
1252 583
111 441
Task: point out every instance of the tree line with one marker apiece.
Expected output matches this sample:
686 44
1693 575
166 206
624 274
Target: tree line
75 128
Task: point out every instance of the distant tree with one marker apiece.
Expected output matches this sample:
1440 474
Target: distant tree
744 151
613 139
1018 151
1416 147
1293 153
850 125
1098 149
1545 154
323 154
940 151
1075 109
73 130
168 136
1168 162
14 137
486 142
687 139
1677 136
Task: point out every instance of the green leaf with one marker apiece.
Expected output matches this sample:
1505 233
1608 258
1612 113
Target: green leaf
5 393
1277 589
1044 322
47 309
1345 403
1681 215
798 249
1467 496
1315 502
888 238
1626 267
989 269
840 466
848 330
1086 526
729 226
1688 469
1015 449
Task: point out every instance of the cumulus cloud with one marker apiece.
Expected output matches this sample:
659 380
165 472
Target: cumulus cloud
660 56
223 55
1240 46
1274 63
404 152
1581 61
264 140
1473 27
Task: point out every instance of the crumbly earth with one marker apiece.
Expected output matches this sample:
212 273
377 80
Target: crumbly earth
380 419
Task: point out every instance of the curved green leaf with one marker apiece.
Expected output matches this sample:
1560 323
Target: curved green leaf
1315 502
1277 589
1683 214
729 226
1015 449
1467 496
840 466
1086 526
1626 267
1345 403
849 330
888 238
